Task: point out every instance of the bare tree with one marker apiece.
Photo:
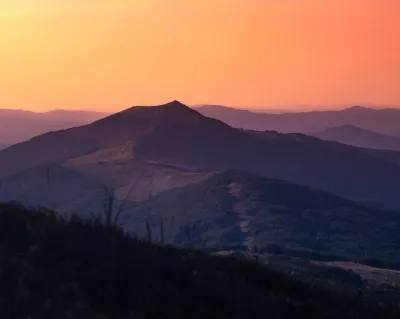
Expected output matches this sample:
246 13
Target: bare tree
161 231
111 213
148 229
189 230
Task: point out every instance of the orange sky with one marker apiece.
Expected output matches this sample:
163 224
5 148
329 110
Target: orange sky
111 54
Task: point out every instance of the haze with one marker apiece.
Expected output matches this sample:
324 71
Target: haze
108 55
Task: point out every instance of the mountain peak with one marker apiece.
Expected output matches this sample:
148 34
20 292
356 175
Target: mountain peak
358 108
175 103
141 120
174 109
174 106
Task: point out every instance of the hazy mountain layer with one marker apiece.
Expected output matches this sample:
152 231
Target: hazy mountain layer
384 121
18 126
352 135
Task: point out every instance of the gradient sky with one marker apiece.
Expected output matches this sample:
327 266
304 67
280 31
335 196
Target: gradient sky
109 55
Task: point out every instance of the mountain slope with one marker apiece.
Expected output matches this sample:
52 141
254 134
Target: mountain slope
385 155
235 208
384 121
340 169
84 185
174 135
17 126
132 125
2 146
355 136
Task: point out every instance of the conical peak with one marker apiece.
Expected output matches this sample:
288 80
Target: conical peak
176 107
153 114
174 103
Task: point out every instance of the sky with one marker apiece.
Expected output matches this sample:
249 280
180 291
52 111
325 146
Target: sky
110 55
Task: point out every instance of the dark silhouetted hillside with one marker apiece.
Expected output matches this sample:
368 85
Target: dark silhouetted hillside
237 209
389 156
53 268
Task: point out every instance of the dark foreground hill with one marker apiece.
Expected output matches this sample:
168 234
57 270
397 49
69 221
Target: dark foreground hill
52 268
238 209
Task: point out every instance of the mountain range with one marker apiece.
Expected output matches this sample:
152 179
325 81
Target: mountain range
384 121
177 138
17 125
200 175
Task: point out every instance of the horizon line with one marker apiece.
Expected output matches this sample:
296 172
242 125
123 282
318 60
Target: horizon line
300 108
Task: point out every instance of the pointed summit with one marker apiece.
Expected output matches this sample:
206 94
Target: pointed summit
154 113
138 121
173 108
176 106
175 103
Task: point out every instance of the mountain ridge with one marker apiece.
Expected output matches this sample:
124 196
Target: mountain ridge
380 120
359 137
175 135
18 125
236 208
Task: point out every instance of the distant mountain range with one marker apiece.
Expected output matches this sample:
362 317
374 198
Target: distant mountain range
17 125
212 183
384 121
186 146
2 146
352 135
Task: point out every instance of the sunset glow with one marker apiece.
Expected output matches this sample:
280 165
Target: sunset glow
109 55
